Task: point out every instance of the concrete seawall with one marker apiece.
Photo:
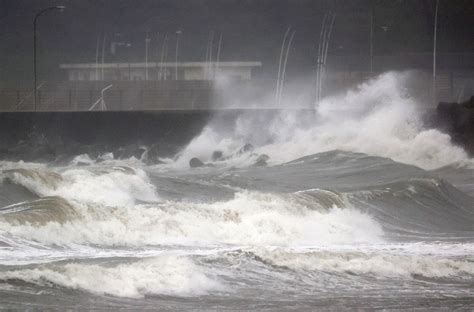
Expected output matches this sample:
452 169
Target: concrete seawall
58 136
45 136
457 119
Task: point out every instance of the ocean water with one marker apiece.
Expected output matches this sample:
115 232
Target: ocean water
359 206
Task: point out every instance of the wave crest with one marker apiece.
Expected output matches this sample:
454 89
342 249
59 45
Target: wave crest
163 275
250 218
360 263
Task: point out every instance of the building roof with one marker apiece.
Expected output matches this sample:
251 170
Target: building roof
158 64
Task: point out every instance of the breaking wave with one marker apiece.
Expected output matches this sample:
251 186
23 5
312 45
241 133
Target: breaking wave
163 275
377 118
111 186
361 263
250 218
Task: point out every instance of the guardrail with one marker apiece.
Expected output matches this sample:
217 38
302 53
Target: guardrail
116 99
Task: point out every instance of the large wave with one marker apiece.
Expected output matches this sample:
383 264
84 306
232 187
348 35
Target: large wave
119 206
100 207
111 185
385 263
378 118
162 275
250 218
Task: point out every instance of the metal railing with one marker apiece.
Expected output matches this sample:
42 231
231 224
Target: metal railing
116 99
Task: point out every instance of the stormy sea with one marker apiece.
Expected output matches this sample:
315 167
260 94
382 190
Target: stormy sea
355 204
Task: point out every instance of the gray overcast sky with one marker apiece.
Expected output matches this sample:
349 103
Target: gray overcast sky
252 29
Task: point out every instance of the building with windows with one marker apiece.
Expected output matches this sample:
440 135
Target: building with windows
156 71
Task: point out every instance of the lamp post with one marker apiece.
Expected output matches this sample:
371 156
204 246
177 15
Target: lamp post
147 43
58 7
179 32
371 49
435 31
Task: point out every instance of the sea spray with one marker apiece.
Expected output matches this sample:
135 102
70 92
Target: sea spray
377 118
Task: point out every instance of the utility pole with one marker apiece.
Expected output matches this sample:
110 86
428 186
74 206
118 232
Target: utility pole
60 8
103 58
371 52
147 43
218 59
178 33
164 50
434 51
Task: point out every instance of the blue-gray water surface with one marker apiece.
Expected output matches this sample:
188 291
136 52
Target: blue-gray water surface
332 230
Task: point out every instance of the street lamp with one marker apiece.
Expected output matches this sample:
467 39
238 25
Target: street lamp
435 31
58 7
179 32
147 43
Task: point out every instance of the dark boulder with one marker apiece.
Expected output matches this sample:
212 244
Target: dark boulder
457 119
261 160
247 148
217 155
195 163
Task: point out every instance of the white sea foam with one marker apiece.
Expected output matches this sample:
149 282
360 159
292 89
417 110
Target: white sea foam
111 186
251 218
9 165
82 159
375 263
163 275
377 118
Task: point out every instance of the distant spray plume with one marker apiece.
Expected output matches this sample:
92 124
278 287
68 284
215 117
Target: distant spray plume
379 117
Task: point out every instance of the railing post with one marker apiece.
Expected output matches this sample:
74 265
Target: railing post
39 100
451 83
18 99
141 98
70 99
90 97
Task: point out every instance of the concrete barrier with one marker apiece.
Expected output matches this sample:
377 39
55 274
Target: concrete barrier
45 136
457 119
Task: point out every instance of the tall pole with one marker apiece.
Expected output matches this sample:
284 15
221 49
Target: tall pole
129 45
147 43
371 52
157 56
325 55
97 59
218 59
211 47
163 49
319 60
327 36
284 67
34 60
277 91
60 8
179 32
209 54
103 58
434 51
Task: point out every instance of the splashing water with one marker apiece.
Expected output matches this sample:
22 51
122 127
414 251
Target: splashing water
378 118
